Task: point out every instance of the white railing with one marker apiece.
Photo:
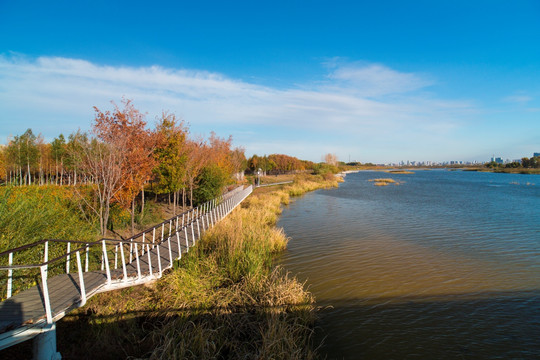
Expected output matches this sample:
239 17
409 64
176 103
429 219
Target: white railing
197 220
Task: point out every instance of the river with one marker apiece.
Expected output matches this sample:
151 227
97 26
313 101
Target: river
445 265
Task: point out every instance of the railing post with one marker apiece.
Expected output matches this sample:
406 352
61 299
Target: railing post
170 251
124 270
178 240
46 253
45 288
162 233
192 230
68 257
143 241
81 279
116 256
169 243
210 210
138 262
131 251
10 276
202 218
106 261
186 236
149 259
179 247
86 261
159 260
197 219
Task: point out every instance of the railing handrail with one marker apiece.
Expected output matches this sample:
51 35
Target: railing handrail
211 209
130 239
27 246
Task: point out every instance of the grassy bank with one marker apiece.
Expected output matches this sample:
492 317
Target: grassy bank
506 170
223 300
32 213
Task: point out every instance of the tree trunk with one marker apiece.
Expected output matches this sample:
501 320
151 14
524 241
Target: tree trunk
174 204
142 202
133 217
183 198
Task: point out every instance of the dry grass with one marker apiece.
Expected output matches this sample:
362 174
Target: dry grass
225 300
399 171
384 182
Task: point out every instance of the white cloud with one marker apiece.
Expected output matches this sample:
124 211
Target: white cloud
351 102
377 80
518 99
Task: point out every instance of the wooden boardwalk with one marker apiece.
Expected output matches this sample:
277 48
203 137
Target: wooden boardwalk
27 307
124 263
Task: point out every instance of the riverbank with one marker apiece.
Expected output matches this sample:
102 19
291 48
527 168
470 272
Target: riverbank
224 299
507 170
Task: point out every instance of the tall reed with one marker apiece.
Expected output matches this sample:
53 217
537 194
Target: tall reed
224 299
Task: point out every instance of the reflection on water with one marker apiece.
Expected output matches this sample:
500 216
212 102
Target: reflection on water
446 265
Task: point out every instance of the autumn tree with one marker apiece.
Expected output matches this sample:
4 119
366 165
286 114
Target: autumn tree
103 162
238 162
3 164
331 159
171 156
23 153
119 159
44 160
196 159
218 169
59 153
73 160
126 129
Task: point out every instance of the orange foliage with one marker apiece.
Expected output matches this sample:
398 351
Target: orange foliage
126 129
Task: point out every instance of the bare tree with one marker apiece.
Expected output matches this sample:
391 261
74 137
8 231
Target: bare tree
103 162
331 159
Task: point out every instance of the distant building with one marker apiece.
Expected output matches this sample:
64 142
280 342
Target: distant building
497 160
536 154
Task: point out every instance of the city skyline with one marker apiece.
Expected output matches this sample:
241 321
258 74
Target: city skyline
377 82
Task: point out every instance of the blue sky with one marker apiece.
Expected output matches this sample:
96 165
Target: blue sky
379 81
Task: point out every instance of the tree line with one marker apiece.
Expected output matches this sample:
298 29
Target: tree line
120 157
525 163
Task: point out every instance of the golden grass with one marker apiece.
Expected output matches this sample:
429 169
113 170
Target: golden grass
223 300
399 171
384 182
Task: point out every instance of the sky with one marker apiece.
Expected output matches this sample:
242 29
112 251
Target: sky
371 81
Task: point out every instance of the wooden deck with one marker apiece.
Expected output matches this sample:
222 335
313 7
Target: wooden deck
24 315
27 307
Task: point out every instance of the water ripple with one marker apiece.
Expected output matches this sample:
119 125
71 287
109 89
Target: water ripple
446 265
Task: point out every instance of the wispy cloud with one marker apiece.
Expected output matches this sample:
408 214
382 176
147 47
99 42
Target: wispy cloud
53 95
376 79
522 99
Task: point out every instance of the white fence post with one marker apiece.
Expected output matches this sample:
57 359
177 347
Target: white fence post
81 279
10 276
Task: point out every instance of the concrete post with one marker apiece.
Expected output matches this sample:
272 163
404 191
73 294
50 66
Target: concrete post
44 345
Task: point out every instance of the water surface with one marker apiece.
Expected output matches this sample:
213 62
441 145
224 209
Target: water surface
444 265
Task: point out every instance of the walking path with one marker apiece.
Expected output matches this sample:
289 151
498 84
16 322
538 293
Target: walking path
137 260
